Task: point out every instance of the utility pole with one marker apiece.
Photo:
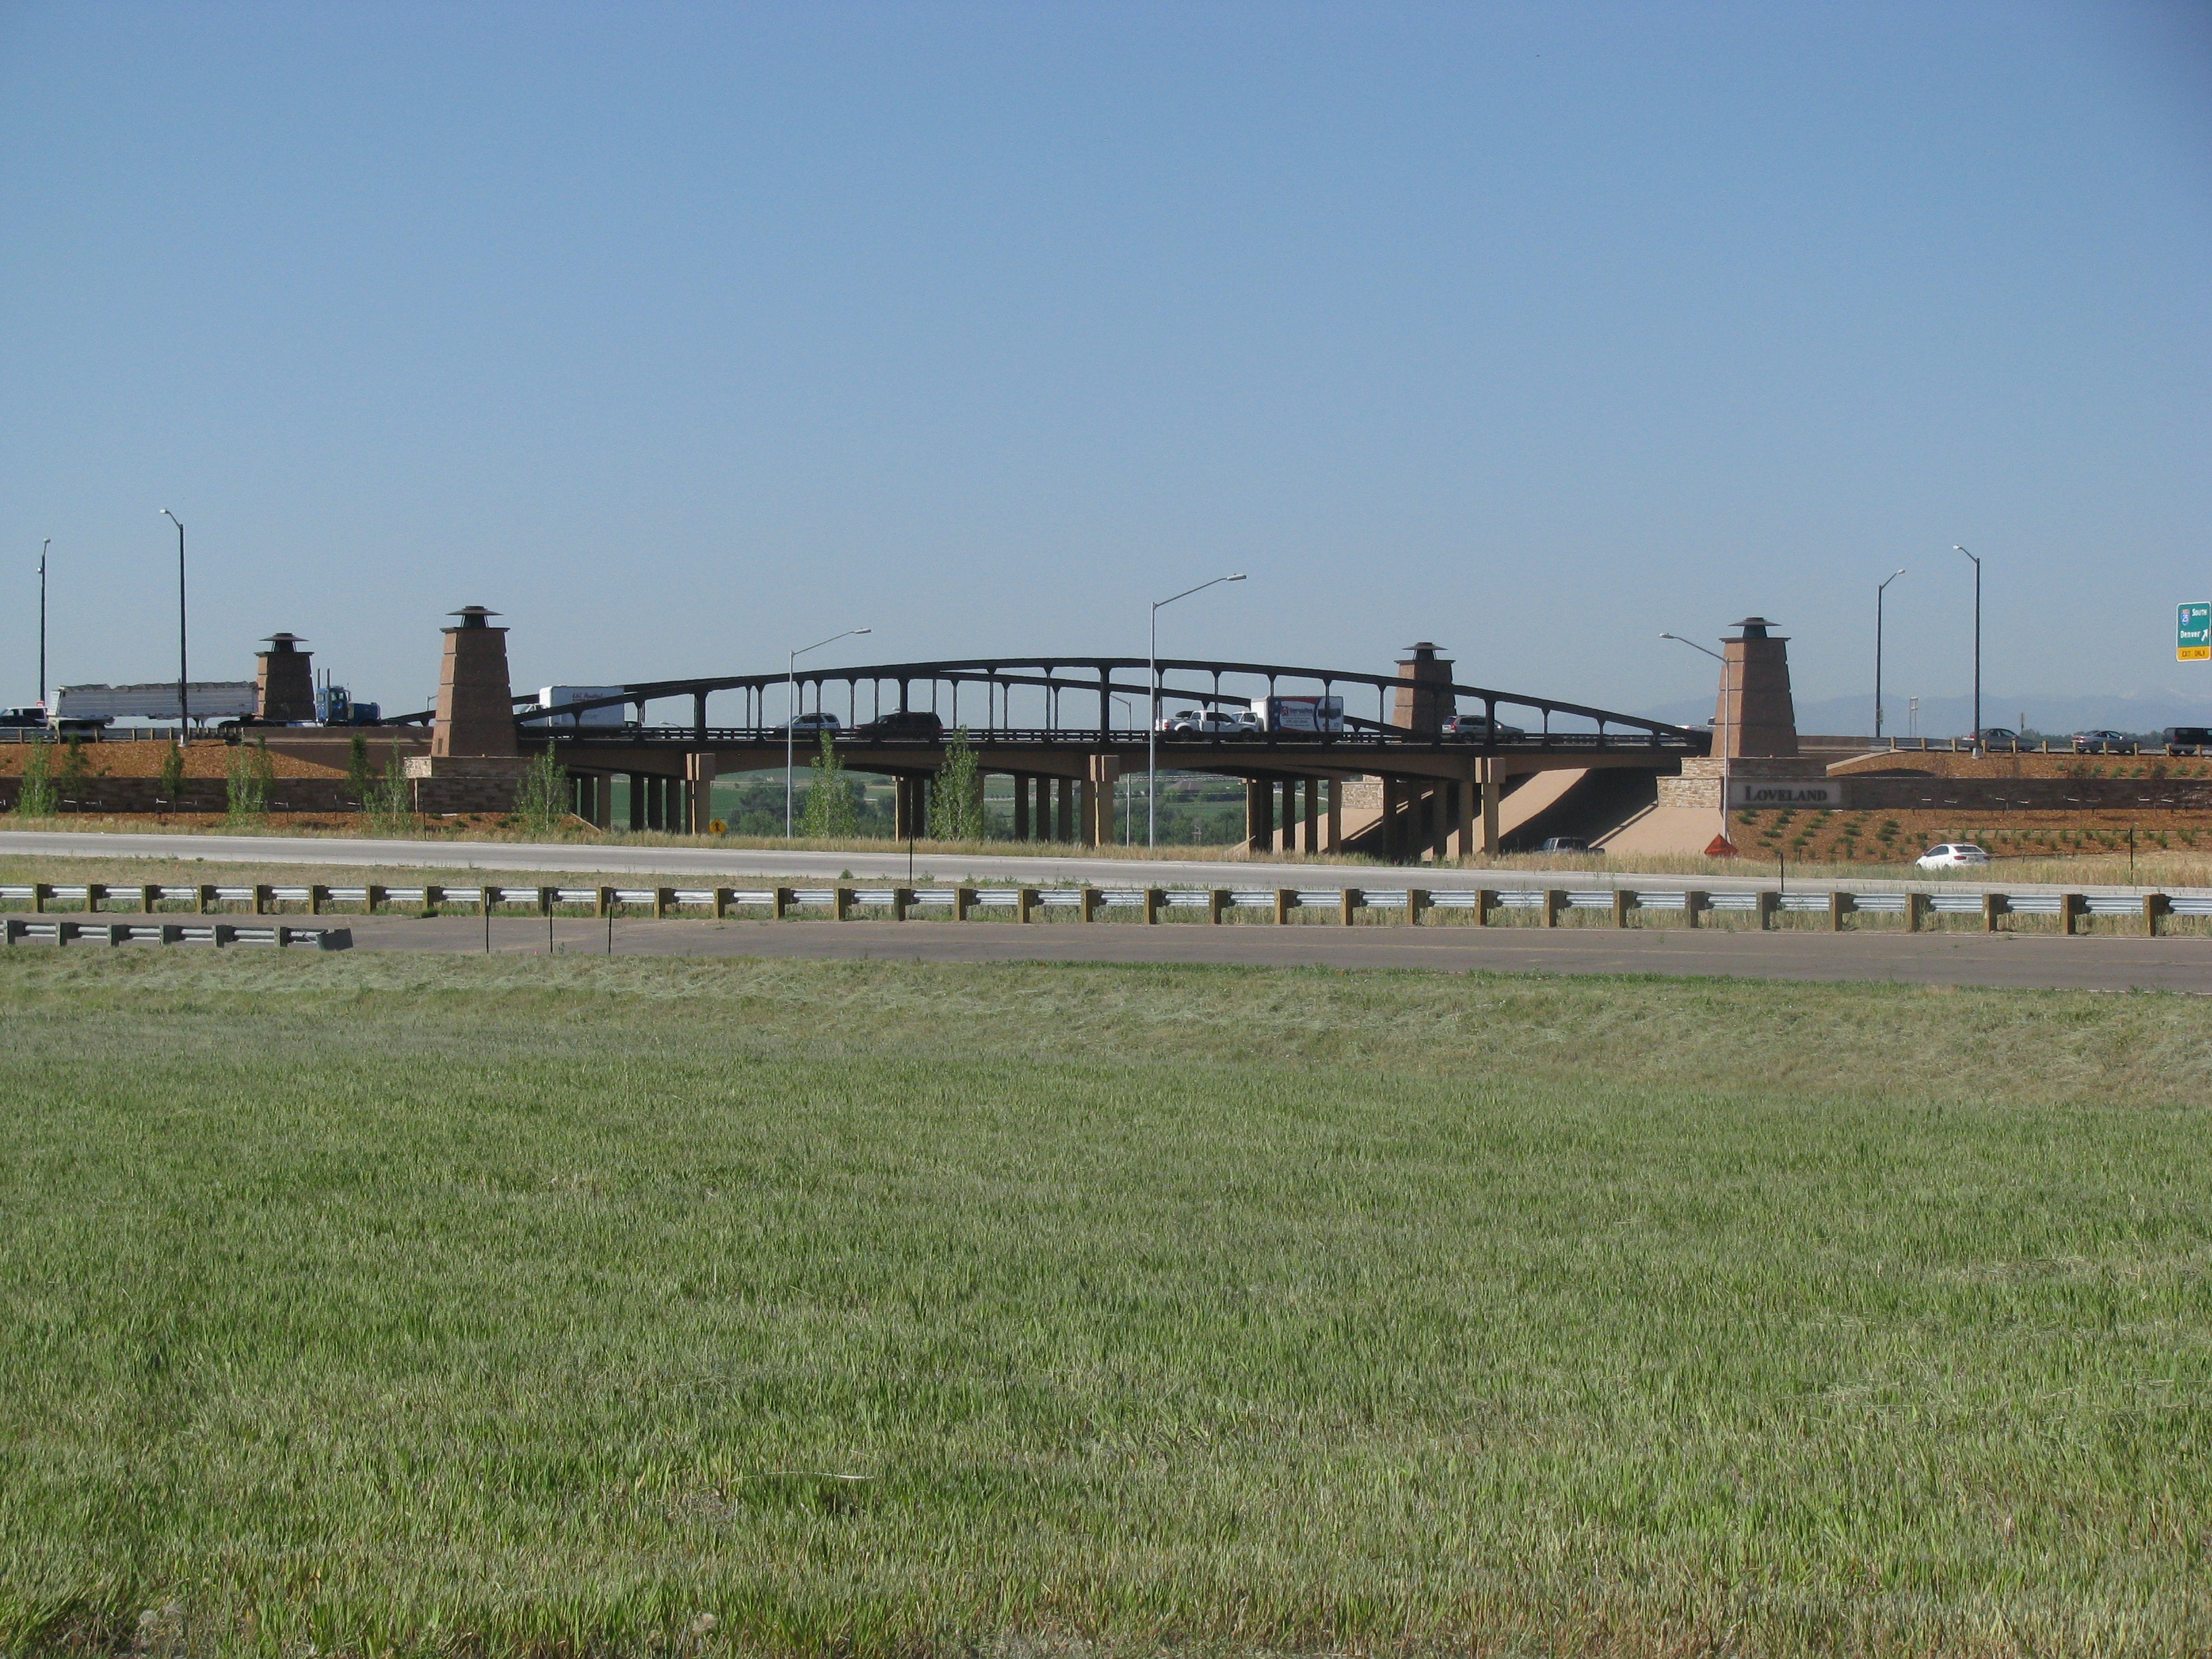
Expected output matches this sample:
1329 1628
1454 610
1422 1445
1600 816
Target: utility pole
1955 548
184 705
42 620
1878 593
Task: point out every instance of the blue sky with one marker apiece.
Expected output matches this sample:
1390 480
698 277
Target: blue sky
682 335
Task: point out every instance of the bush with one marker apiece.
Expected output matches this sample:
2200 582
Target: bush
830 812
171 782
38 797
541 803
251 777
956 804
389 804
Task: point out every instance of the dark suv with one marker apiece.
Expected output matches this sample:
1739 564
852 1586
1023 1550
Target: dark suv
2186 739
902 725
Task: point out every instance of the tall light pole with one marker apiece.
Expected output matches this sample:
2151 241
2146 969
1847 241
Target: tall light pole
42 622
1955 548
1878 593
1152 726
791 715
183 707
1694 646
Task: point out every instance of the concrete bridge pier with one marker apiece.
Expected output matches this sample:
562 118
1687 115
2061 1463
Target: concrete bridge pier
699 771
1096 798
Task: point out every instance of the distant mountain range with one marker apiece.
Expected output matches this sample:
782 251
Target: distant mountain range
1945 717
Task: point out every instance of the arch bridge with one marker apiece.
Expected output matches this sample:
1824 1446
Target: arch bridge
1423 769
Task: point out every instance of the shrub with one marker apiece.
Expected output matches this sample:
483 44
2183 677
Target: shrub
956 804
390 803
541 801
171 782
830 812
250 776
38 797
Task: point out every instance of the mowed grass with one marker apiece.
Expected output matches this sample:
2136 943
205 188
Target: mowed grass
388 1303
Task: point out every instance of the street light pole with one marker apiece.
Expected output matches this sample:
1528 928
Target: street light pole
791 714
1878 593
1694 646
42 622
1955 548
184 705
1152 726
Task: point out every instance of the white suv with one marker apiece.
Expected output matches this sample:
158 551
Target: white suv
1953 855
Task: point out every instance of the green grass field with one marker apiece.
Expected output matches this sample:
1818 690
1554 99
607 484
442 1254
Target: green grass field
393 1304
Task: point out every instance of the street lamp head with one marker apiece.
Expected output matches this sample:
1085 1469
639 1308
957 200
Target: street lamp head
864 630
1239 577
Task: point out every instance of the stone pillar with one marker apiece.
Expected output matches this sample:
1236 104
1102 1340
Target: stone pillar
475 710
699 774
1755 715
284 680
1421 701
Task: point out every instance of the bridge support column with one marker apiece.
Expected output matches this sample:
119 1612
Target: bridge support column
1098 792
1312 842
1467 828
1021 806
637 800
1493 791
1258 816
699 776
1394 826
1332 823
1063 822
1443 797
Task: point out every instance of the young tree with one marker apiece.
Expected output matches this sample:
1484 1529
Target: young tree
74 773
541 802
172 780
830 813
390 805
360 775
38 797
955 804
250 776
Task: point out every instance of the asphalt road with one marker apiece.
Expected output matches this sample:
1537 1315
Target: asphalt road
723 865
2014 961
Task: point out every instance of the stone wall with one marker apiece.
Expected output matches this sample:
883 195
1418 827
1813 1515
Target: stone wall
197 795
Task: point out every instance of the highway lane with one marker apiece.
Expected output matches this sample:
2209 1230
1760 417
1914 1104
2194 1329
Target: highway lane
2000 961
724 865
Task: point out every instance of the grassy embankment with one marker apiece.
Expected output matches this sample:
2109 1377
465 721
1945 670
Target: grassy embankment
399 1304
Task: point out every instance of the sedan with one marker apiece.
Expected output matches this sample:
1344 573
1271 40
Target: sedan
806 726
2103 743
1997 736
1953 855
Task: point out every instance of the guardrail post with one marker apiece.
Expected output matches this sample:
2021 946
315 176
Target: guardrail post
262 898
1286 898
224 933
149 896
40 892
546 898
1025 900
1839 902
841 903
662 898
2154 906
2070 908
1154 898
780 903
724 896
318 896
1555 901
1485 899
603 900
1993 908
1769 905
95 894
1916 912
1091 897
963 901
433 898
1217 901
205 897
1621 897
1695 903
900 897
1347 901
1417 900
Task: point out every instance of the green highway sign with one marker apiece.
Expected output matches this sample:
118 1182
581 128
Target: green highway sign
2192 633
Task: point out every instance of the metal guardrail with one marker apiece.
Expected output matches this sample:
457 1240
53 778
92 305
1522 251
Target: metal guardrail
65 930
1548 906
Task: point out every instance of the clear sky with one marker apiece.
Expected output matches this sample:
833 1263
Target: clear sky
683 335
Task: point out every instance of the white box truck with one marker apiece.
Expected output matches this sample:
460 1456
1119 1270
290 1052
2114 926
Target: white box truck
1288 714
609 717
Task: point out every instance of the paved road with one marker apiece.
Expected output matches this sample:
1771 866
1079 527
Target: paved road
722 865
2020 960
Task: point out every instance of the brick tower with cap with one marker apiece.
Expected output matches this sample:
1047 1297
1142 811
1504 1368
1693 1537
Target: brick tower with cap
284 681
476 704
1755 716
1423 695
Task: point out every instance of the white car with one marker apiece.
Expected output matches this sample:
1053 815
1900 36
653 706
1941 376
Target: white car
1953 855
1210 723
